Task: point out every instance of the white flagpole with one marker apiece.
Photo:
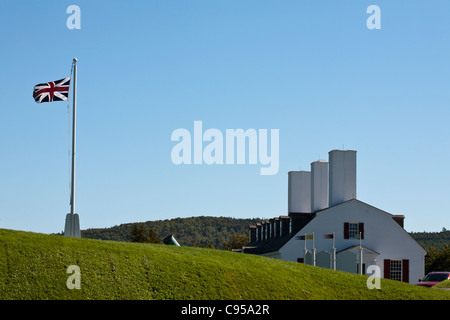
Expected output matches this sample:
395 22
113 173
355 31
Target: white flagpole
72 227
334 253
72 191
360 255
305 251
334 247
314 251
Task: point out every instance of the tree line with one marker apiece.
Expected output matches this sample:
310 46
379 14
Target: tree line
202 231
432 239
140 233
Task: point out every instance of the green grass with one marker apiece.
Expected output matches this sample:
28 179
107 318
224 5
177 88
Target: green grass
443 284
33 266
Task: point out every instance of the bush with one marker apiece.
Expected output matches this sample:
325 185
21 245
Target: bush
140 233
437 259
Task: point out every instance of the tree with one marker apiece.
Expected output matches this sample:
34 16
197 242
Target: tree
139 233
237 241
153 237
437 259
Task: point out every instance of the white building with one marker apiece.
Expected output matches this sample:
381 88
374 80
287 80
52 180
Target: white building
322 205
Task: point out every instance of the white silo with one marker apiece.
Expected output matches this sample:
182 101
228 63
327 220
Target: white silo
342 176
299 191
319 185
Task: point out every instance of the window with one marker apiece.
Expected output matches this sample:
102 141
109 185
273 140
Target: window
438 277
396 270
352 230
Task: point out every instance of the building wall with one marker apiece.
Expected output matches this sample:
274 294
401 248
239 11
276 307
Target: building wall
381 234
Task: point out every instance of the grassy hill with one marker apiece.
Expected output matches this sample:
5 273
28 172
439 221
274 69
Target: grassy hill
33 266
444 284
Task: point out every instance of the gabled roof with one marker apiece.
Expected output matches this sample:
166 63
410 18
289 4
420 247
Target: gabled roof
396 218
356 246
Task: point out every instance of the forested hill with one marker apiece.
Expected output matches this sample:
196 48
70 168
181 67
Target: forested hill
200 231
432 239
214 231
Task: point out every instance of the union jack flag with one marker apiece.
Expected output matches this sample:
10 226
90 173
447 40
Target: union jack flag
52 91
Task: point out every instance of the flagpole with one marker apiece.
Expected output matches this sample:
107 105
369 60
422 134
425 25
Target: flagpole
334 253
314 250
72 191
305 251
72 227
360 254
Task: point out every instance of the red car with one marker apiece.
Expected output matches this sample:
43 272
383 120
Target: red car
434 278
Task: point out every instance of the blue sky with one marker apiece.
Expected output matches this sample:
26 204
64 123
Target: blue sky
311 69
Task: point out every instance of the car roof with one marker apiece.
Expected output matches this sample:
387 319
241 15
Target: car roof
439 272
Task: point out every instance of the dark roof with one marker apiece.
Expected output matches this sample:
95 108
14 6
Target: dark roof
259 247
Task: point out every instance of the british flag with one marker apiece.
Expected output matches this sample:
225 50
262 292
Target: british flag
52 91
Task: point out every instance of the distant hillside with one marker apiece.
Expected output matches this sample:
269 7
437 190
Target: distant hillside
200 231
432 239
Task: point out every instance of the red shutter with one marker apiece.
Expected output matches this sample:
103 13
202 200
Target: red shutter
361 229
405 271
346 228
387 268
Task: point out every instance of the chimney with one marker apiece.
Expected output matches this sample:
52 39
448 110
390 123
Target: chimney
252 234
272 229
265 230
319 185
276 227
342 179
399 219
299 191
284 225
